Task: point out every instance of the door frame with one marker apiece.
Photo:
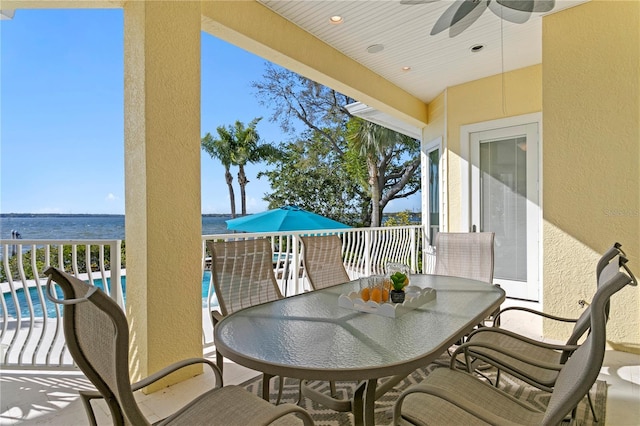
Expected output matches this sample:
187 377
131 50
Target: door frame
465 173
424 153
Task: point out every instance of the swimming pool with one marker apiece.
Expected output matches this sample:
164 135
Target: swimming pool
50 307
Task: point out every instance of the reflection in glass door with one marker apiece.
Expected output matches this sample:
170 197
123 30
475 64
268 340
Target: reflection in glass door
505 201
433 166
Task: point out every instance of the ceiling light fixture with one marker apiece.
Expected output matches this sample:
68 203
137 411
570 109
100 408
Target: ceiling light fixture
406 68
375 48
476 48
336 20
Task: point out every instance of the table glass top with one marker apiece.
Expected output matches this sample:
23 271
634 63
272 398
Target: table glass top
310 336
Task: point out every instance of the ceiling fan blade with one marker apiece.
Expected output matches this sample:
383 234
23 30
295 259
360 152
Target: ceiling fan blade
460 15
511 15
542 6
529 5
521 5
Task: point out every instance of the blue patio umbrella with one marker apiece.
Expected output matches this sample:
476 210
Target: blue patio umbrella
287 218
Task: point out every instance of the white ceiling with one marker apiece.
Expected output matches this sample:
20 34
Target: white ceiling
404 30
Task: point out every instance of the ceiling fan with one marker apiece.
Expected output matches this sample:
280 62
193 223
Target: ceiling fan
462 13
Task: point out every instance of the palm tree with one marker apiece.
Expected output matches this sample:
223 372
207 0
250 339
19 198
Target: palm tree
248 149
222 149
373 143
238 145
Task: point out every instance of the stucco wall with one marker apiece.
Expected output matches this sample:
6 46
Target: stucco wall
479 101
162 186
591 73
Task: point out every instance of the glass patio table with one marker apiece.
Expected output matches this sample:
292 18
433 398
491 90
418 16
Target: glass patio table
308 336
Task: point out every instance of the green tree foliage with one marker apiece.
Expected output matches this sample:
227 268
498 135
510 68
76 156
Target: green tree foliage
402 218
221 149
238 145
310 176
388 175
321 112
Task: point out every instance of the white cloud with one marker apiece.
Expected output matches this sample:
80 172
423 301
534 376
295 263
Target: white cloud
111 197
255 205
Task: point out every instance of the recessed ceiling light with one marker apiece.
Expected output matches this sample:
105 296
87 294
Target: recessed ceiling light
336 19
406 68
375 48
476 48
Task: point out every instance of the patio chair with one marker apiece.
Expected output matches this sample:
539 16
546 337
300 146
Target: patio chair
97 336
322 257
467 255
450 396
530 360
242 274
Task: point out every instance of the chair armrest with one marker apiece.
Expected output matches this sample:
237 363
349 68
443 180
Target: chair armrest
515 355
454 398
176 366
216 317
557 347
533 311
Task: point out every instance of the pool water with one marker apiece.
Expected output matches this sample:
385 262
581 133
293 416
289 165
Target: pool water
50 306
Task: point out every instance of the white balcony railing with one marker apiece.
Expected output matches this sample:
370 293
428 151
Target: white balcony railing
31 328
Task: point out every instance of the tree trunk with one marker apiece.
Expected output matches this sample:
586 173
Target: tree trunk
242 182
232 198
375 191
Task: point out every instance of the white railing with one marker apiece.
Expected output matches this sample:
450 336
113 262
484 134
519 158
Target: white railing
365 251
31 329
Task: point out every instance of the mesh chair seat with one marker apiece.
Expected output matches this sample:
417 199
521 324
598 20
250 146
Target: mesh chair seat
322 256
465 254
450 396
242 275
426 409
525 358
97 336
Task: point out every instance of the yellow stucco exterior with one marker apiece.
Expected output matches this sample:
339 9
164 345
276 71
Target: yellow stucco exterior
586 88
162 185
591 107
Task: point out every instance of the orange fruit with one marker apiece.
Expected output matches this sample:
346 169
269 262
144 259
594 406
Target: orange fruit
376 295
385 294
364 294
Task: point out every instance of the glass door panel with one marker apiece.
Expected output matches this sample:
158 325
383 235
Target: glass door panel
504 200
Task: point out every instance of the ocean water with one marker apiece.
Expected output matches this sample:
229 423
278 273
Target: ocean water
87 227
90 227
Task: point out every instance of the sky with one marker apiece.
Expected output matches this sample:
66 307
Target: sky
61 115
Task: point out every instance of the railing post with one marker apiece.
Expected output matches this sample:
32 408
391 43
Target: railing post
414 251
296 263
115 256
367 251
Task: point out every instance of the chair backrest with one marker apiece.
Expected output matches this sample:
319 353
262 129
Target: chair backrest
465 254
97 335
584 320
581 370
322 257
242 273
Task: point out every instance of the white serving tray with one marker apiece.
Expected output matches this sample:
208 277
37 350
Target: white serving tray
414 297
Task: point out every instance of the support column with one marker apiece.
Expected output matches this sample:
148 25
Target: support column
163 225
